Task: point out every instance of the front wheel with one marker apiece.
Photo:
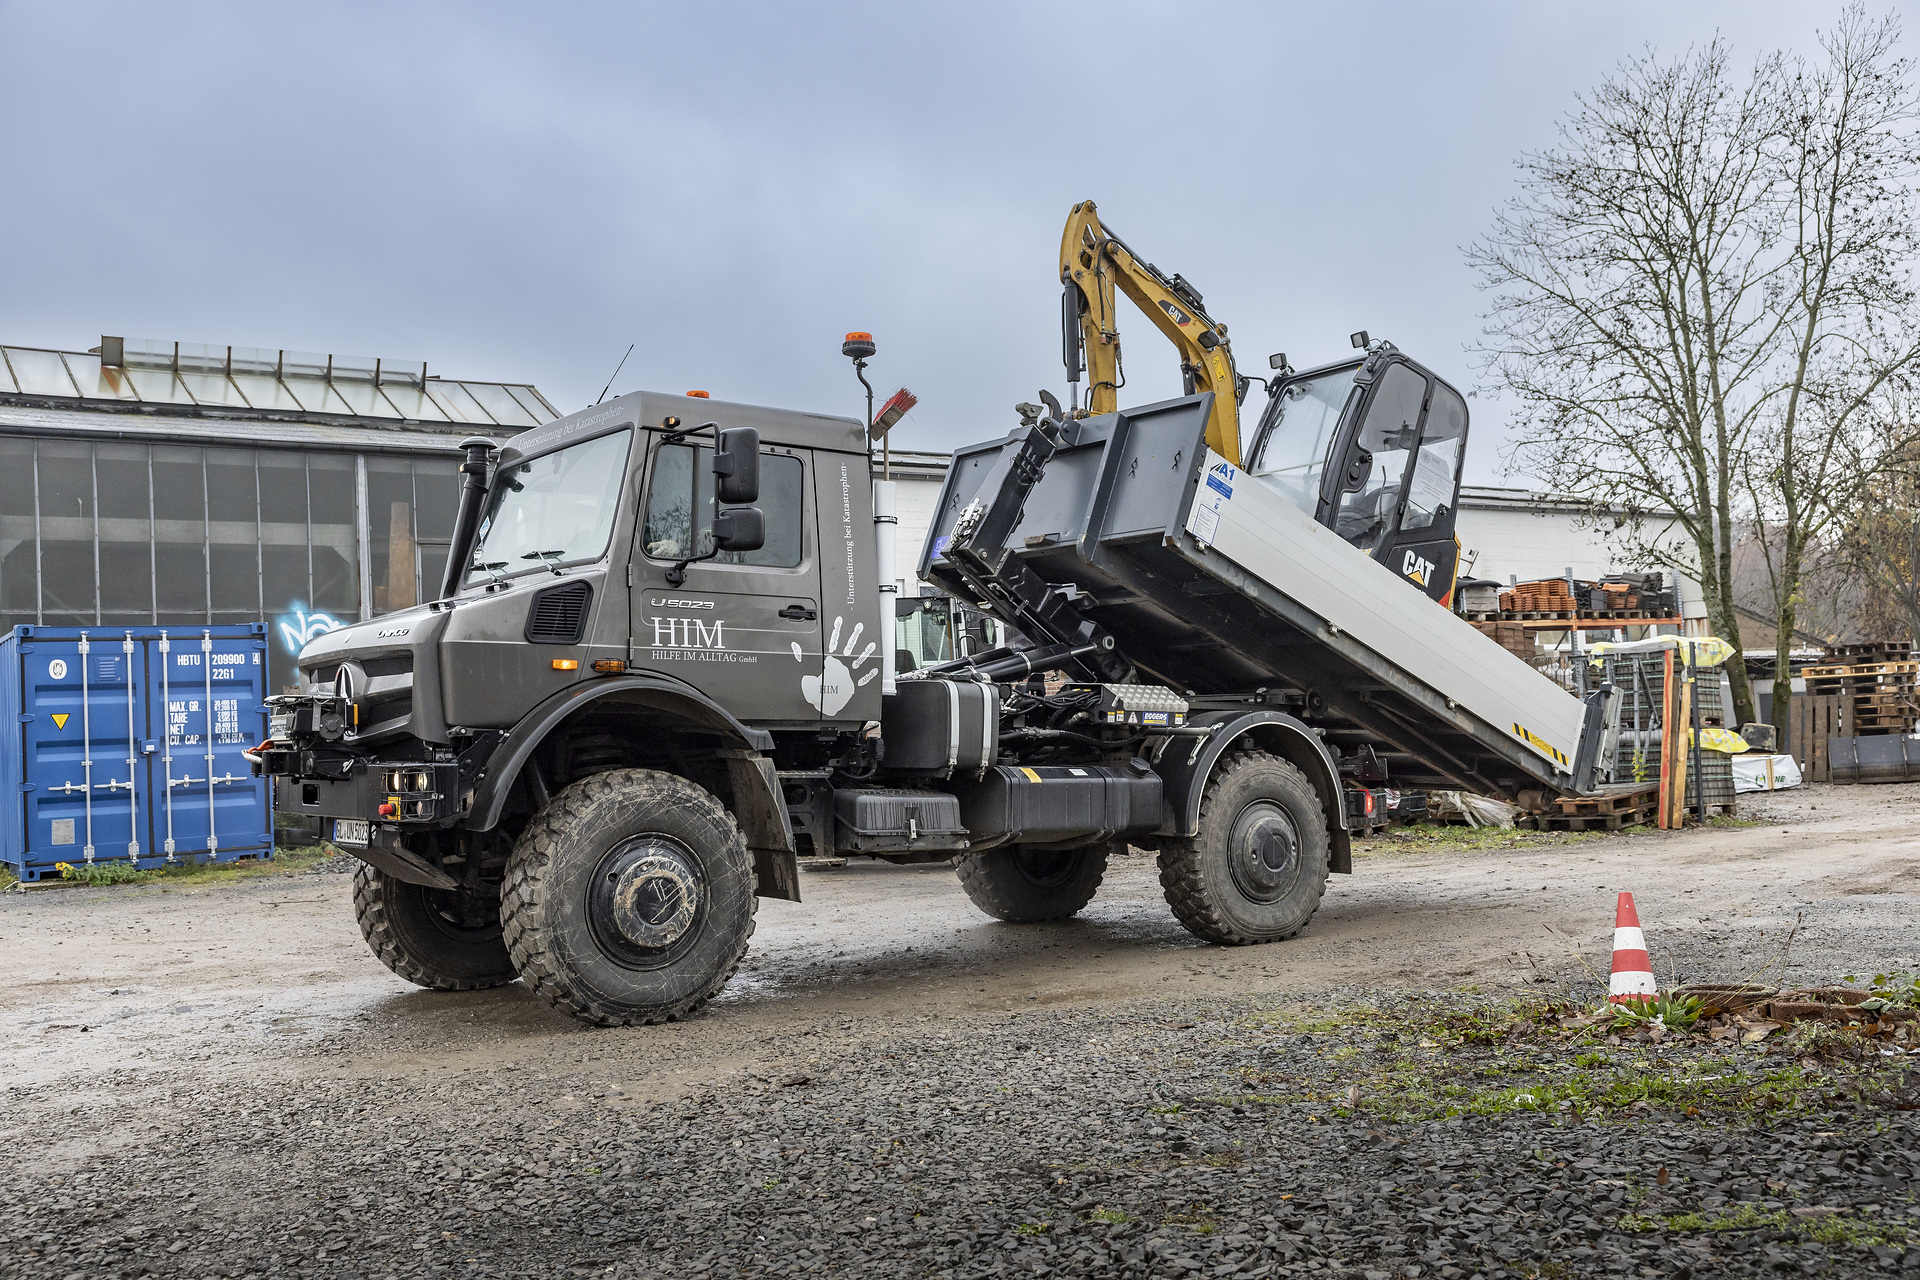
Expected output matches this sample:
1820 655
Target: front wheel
1022 885
1256 870
629 898
442 939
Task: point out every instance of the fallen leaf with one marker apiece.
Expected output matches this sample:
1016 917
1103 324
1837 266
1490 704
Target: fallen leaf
1661 1177
1759 1031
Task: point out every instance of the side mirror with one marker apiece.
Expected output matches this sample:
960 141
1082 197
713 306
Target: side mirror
740 528
736 468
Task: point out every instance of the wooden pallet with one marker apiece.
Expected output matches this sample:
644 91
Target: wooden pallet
1857 670
1639 817
1884 650
1621 801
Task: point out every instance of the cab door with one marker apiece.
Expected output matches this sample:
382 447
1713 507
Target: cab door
742 627
1424 548
1395 488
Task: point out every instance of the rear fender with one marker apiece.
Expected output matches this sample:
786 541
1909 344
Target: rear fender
756 800
1185 769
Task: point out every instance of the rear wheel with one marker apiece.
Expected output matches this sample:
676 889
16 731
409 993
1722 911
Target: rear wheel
445 939
629 898
1258 867
1019 884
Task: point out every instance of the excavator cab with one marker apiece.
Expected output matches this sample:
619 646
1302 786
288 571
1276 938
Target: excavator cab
1371 448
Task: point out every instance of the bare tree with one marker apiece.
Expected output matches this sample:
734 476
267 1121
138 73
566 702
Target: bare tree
1850 343
1704 262
1881 543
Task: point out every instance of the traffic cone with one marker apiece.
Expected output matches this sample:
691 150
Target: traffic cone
1632 980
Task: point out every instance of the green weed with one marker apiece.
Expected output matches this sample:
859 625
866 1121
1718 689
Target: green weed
102 873
1198 1219
1678 1014
1829 1228
1422 837
1891 990
1100 1213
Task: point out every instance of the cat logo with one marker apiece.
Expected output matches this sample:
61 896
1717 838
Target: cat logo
1417 568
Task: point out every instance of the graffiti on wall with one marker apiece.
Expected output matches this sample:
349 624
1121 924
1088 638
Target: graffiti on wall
298 627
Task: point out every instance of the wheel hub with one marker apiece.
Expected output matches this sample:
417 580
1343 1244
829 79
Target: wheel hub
649 893
1265 852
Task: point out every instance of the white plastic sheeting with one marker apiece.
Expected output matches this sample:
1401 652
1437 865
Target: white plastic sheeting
1758 771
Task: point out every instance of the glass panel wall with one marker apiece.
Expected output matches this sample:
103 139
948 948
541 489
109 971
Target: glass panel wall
65 472
180 535
111 534
126 533
233 535
19 568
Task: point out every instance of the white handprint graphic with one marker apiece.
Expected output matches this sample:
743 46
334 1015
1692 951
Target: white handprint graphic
833 688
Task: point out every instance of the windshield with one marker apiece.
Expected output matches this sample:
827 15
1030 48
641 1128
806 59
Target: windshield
1294 452
550 510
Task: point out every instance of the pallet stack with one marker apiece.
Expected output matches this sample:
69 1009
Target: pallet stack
1549 596
1627 807
1878 682
1511 636
1641 679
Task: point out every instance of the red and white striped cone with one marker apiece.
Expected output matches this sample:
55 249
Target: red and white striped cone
1632 981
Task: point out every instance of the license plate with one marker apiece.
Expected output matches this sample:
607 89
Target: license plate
350 831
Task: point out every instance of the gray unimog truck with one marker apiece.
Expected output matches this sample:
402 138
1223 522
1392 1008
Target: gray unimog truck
663 666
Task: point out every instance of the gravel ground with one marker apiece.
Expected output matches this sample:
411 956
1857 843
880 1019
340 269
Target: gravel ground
222 1082
1049 1142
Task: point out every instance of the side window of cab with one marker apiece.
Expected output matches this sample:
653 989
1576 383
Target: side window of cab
680 508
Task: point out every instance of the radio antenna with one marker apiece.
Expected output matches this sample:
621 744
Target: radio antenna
616 371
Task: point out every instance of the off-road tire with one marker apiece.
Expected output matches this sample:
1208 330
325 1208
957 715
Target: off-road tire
564 950
1022 885
411 929
1209 893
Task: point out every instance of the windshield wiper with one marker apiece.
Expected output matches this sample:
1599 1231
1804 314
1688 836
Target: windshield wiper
548 556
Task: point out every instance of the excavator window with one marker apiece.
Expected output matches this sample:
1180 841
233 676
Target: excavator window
1300 425
1369 491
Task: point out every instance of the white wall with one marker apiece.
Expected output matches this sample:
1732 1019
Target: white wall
915 500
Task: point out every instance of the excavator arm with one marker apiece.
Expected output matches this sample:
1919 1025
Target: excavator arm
1093 263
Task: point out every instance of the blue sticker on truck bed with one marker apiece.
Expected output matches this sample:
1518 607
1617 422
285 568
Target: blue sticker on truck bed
1220 479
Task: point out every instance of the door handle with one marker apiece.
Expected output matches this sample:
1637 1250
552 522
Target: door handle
798 613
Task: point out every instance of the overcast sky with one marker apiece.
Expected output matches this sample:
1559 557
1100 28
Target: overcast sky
516 192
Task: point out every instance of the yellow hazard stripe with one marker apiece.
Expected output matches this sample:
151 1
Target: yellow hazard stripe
1031 775
1539 743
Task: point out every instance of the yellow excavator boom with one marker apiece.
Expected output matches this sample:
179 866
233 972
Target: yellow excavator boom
1093 262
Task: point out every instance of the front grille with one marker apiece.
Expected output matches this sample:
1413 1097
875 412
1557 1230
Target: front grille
559 614
400 664
323 675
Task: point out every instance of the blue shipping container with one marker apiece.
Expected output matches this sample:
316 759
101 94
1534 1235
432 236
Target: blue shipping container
125 743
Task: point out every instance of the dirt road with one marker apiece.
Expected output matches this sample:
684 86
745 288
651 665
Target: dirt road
135 1017
259 977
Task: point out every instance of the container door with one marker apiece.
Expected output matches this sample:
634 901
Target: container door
87 699
209 708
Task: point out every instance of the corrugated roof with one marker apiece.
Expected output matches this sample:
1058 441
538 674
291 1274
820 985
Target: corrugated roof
94 424
199 380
